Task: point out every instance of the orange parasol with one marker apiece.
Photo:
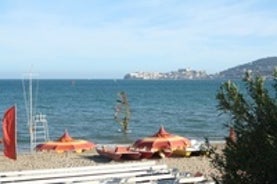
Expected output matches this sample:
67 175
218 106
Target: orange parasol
232 135
162 140
66 143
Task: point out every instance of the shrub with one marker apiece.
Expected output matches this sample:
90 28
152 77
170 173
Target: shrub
252 157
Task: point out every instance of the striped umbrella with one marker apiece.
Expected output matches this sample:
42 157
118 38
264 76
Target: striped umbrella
66 143
162 140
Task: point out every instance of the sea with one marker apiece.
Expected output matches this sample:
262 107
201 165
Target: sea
85 108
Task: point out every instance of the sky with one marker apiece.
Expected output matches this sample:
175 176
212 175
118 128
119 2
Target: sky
106 39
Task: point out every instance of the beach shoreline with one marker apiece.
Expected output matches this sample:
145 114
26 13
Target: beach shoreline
51 160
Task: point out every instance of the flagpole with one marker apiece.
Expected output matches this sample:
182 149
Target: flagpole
31 111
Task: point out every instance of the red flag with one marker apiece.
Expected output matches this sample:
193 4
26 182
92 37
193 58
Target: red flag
9 133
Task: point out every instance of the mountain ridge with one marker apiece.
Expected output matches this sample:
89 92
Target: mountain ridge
263 67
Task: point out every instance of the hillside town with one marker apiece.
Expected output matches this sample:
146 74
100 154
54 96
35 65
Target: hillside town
263 67
173 75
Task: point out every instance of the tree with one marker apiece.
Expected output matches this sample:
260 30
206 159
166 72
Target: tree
122 111
252 156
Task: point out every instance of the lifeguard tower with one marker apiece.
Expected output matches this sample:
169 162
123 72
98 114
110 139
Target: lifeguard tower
37 124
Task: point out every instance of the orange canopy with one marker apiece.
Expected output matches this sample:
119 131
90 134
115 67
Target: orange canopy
162 140
232 134
66 143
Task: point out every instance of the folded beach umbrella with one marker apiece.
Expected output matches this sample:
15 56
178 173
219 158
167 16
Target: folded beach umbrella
66 143
162 140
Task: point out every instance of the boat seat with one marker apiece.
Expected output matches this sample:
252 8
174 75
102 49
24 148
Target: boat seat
121 149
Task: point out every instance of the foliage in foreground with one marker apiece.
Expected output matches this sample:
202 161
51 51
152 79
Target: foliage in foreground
252 157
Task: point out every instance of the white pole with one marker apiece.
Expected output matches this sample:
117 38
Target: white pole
31 111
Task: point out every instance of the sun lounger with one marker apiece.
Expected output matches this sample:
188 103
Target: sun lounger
147 172
91 174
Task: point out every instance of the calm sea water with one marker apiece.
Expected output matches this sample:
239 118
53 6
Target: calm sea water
86 107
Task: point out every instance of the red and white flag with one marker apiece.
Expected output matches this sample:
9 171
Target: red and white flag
9 133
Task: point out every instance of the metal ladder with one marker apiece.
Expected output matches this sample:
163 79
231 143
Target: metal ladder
39 133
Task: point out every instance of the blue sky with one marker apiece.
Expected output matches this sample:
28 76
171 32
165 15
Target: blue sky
105 39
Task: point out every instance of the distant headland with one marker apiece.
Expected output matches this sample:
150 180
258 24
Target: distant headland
264 67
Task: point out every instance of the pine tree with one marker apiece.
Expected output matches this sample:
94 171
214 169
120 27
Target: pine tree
252 157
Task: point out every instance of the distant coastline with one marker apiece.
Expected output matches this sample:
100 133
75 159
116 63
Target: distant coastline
173 75
263 67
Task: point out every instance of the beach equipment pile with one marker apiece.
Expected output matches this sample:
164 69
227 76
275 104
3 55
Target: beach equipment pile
159 145
119 173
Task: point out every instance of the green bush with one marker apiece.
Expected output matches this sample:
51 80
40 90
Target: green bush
252 158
